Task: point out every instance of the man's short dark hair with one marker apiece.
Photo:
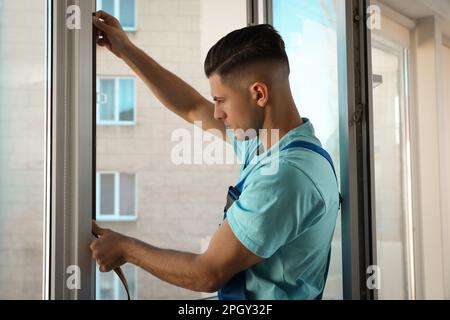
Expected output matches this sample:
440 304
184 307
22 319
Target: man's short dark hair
243 47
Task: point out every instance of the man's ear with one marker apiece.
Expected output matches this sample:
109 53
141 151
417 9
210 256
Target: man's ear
260 93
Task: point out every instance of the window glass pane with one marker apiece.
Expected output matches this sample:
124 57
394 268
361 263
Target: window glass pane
126 99
106 284
130 272
127 13
22 147
309 31
108 106
166 192
127 195
391 192
108 6
107 197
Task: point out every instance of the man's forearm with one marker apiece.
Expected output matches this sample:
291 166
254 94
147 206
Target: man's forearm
182 269
177 95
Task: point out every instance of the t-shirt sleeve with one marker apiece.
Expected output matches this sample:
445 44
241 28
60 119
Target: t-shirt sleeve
274 209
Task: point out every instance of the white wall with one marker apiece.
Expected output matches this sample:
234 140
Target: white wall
218 18
430 146
430 261
445 144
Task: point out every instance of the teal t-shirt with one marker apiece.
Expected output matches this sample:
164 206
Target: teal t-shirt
286 214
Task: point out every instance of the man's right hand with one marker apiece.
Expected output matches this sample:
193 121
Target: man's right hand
110 33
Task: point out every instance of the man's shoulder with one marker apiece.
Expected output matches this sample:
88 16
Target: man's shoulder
281 175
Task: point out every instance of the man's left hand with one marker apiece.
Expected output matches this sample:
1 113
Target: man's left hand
109 250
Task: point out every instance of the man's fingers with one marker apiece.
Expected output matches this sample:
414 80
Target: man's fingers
101 25
107 18
104 15
103 43
96 230
92 246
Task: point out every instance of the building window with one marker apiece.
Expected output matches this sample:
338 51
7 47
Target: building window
109 287
116 196
116 103
123 10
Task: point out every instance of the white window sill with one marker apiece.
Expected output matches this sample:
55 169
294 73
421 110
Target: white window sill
130 29
114 218
116 123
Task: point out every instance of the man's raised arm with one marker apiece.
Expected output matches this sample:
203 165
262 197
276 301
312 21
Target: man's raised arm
174 93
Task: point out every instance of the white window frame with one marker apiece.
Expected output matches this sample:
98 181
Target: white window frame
116 216
116 13
395 37
117 121
426 153
69 198
117 284
381 42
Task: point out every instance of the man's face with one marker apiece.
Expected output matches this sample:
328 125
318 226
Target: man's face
235 107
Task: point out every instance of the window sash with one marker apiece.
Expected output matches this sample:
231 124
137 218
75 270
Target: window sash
69 190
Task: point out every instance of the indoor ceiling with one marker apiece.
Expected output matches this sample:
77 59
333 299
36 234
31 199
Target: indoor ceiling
416 9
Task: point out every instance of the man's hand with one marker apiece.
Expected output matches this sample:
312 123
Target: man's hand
109 249
110 33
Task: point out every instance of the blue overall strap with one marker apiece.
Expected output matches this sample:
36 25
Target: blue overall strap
234 289
315 148
298 144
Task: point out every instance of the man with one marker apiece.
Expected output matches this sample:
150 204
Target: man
276 237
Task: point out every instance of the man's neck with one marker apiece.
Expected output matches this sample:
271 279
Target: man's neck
285 122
